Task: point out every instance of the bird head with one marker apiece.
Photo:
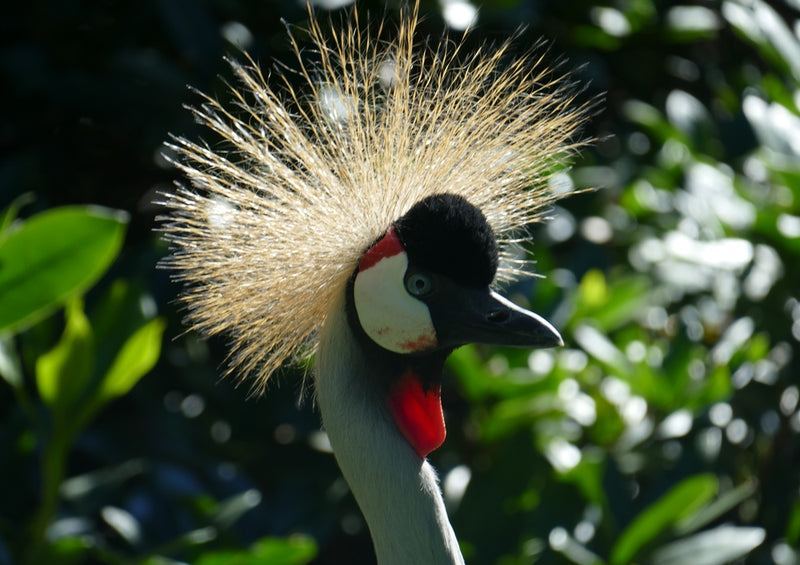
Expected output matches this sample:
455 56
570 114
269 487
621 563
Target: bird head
425 285
422 290
303 205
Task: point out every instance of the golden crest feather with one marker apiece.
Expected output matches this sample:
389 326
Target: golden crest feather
306 179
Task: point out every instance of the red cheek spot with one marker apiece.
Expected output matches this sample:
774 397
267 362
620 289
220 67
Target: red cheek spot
418 413
422 343
388 246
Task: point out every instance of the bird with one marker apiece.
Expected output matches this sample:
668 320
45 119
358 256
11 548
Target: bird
355 215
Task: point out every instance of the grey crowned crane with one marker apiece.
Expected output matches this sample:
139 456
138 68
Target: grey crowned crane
365 219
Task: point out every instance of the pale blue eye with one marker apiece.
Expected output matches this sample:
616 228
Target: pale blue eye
419 284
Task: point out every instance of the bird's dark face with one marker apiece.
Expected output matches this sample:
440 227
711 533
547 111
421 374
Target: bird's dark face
425 285
422 290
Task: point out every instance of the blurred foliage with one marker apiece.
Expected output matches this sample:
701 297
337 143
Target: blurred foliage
666 431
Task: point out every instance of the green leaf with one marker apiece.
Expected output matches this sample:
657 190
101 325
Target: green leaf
117 314
466 363
612 303
681 502
63 372
793 525
295 550
714 547
8 215
722 505
138 355
52 256
593 290
231 509
599 346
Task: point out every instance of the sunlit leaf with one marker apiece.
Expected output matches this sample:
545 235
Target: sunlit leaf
593 291
10 366
124 524
627 299
52 256
575 552
137 356
295 550
692 22
714 547
725 503
779 35
114 476
63 372
67 551
648 117
230 510
599 346
680 502
689 116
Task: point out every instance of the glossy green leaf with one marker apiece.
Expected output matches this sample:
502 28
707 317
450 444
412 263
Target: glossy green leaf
138 355
296 550
63 372
683 500
53 256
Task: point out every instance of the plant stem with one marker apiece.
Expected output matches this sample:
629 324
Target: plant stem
52 470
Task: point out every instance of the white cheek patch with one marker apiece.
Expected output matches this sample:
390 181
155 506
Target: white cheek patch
390 316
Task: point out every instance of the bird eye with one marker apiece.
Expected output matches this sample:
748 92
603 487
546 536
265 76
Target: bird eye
419 284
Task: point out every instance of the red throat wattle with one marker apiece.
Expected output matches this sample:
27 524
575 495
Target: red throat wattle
417 412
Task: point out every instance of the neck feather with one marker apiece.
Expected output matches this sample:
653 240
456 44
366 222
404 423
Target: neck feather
397 491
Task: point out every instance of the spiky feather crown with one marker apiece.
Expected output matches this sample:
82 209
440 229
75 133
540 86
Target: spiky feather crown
277 221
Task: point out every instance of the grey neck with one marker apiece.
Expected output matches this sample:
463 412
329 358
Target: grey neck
398 492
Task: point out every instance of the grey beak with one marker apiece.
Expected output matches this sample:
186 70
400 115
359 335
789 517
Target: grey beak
468 315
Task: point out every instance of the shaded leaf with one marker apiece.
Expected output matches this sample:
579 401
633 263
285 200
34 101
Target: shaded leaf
679 503
10 214
793 524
